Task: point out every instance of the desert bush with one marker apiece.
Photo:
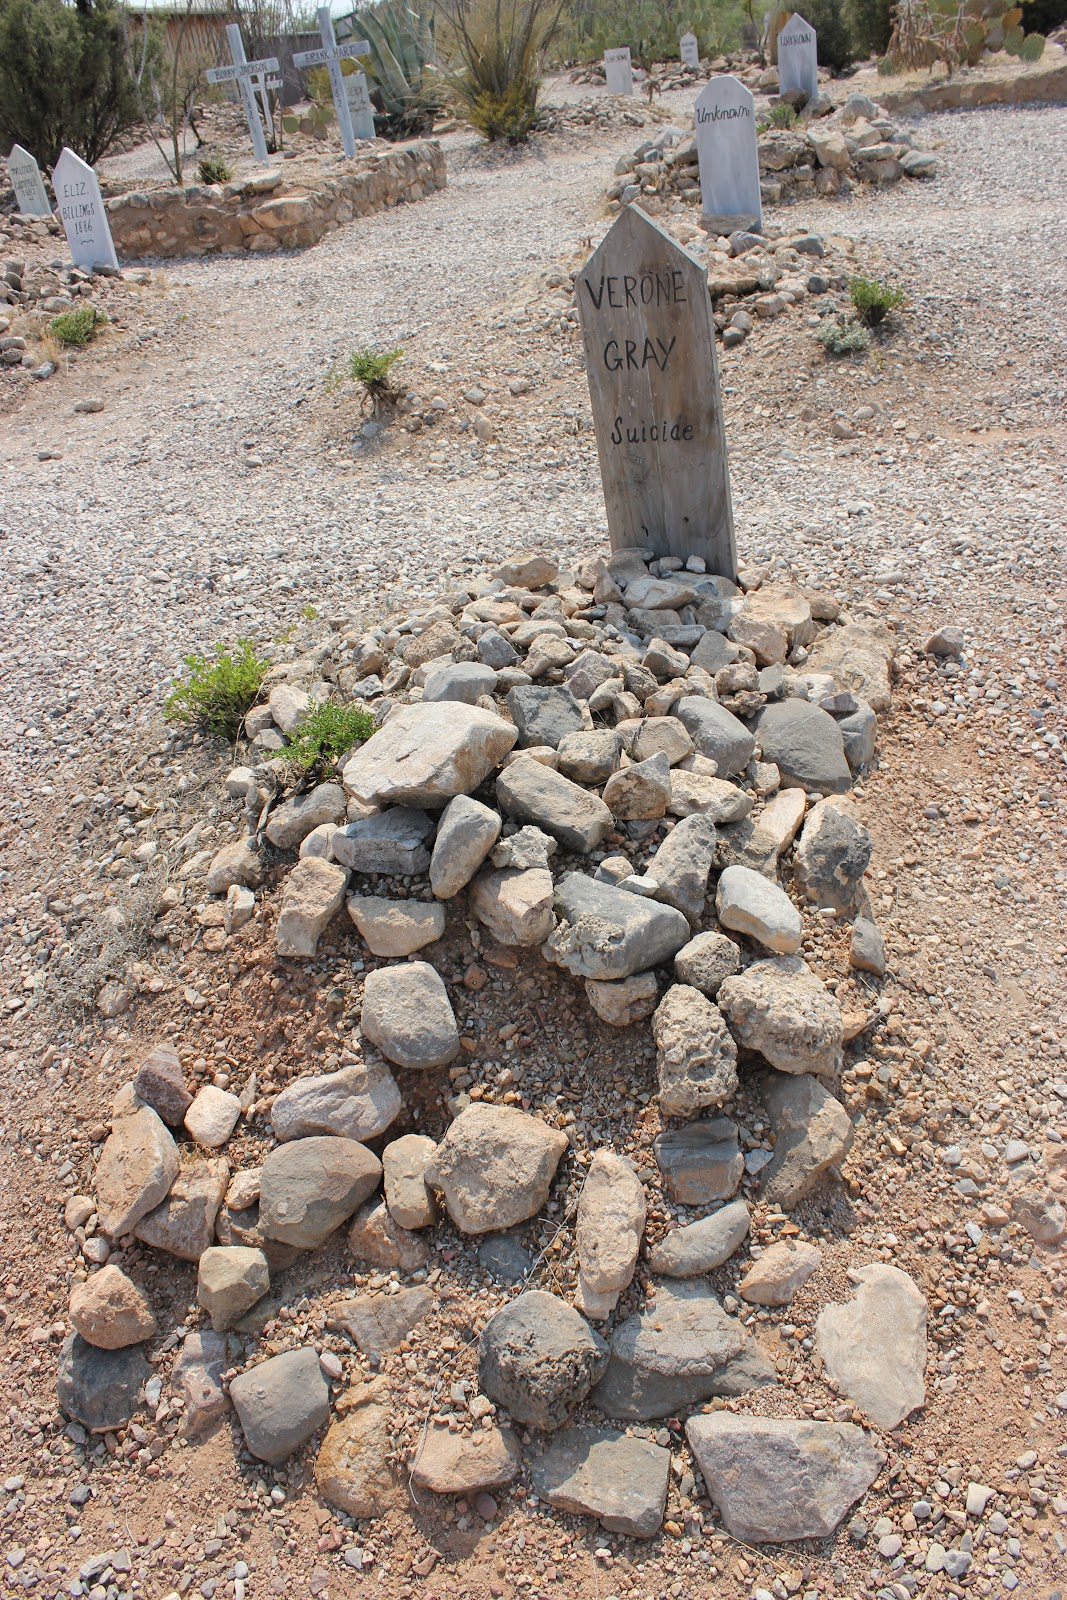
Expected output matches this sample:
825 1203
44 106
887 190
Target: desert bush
652 28
842 336
213 169
217 692
327 733
499 48
75 328
869 22
406 86
873 299
64 77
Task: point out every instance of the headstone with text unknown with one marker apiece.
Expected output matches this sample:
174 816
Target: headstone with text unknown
618 70
725 119
689 50
649 342
30 193
798 61
81 207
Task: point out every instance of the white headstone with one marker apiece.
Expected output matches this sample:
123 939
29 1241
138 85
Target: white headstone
330 57
360 108
81 205
618 70
689 50
244 73
798 62
25 177
725 120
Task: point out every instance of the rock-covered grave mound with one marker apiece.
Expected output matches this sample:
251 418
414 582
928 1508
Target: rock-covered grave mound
642 771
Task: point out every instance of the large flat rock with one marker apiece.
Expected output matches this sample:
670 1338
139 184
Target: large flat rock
427 753
530 792
602 1473
874 1347
806 746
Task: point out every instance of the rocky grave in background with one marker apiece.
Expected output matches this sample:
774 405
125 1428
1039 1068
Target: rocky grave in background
637 776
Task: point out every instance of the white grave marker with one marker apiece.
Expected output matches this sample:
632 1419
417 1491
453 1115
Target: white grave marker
81 205
725 119
649 338
618 70
25 177
798 62
689 50
360 108
243 73
330 57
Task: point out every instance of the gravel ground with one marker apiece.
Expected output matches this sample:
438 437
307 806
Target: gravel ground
156 533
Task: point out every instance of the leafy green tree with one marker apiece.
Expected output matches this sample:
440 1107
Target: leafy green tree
835 46
869 22
64 77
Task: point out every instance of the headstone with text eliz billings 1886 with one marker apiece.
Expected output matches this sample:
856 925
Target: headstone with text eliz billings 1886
618 70
649 340
81 207
725 119
798 60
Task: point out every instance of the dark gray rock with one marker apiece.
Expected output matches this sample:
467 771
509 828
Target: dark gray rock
602 1473
310 1186
812 1132
530 792
465 681
859 732
867 951
714 652
681 865
701 1162
394 842
496 651
377 1323
607 933
160 1083
503 1256
831 856
668 1358
716 733
776 1479
543 716
805 745
538 1358
281 1403
101 1389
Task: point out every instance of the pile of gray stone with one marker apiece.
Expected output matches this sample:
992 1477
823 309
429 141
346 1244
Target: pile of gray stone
642 771
825 154
40 292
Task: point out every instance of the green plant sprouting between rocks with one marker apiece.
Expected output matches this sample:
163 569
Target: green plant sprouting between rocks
874 300
406 86
782 116
500 47
74 329
371 368
213 169
843 336
218 691
327 733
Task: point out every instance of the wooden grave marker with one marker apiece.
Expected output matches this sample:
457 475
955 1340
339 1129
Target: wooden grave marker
81 206
30 192
649 340
725 117
330 56
245 74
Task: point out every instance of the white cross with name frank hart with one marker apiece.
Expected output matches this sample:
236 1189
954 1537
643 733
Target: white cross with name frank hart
330 57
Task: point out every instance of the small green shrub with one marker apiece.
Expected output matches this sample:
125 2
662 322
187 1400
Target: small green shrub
842 338
218 692
327 732
371 368
501 45
780 116
75 328
213 169
874 300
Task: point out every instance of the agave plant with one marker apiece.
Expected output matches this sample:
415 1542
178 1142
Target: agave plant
407 88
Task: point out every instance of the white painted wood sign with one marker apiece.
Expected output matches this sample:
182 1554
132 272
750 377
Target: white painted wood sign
725 117
30 192
244 73
618 70
689 50
81 206
330 57
798 61
649 339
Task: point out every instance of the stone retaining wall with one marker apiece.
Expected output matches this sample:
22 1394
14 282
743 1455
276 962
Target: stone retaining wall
1045 83
204 218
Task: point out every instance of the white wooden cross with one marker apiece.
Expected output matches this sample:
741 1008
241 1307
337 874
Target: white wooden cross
243 73
330 57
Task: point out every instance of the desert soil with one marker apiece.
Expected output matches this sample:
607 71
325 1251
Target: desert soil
220 492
